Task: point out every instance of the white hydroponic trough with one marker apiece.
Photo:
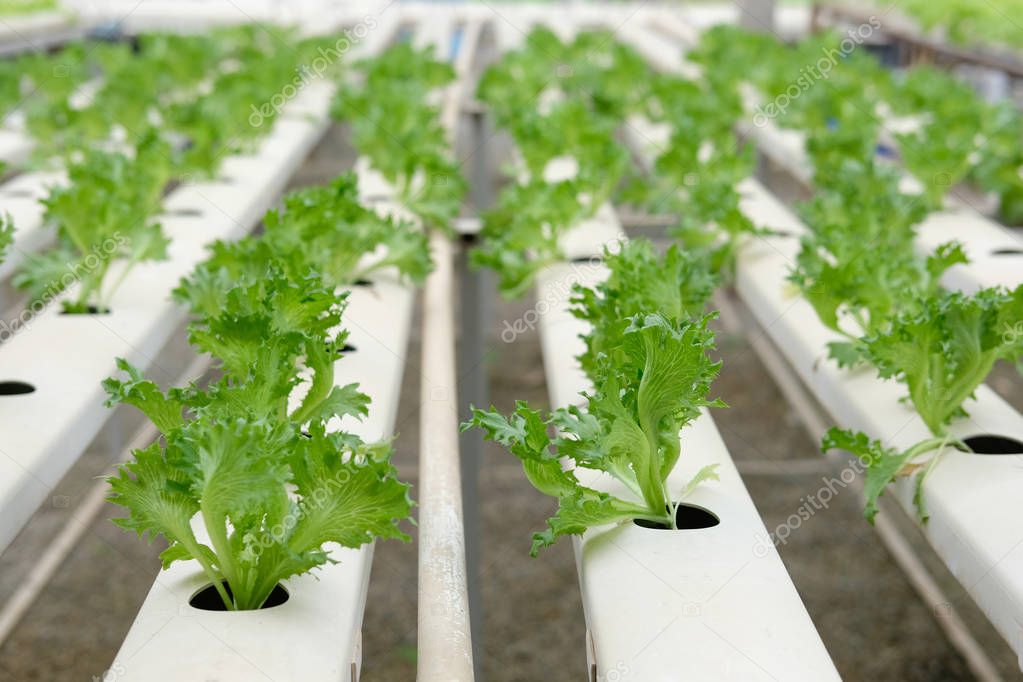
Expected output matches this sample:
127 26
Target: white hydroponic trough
37 31
316 633
973 499
995 252
667 605
65 357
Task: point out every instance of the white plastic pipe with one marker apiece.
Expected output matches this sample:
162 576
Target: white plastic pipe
445 634
445 646
47 430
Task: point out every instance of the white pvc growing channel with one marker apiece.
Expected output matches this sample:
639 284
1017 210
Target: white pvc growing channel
660 604
972 498
316 633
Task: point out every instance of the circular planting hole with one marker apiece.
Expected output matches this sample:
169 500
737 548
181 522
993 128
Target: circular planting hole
784 234
16 388
347 348
687 517
208 599
990 444
1007 252
362 283
185 212
89 310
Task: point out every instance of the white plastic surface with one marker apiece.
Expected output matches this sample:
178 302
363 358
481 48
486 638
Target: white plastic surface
712 604
973 500
316 634
701 605
36 31
66 357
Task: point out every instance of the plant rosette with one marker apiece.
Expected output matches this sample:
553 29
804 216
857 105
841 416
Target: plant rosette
315 634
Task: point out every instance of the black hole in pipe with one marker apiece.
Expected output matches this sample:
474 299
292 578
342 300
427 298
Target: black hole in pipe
362 283
185 212
87 310
687 517
16 388
588 259
989 444
788 234
208 599
1007 252
347 348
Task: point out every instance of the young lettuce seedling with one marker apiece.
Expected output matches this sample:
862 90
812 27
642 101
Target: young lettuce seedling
6 234
859 263
520 234
653 383
273 484
677 284
102 217
414 154
324 229
270 499
650 374
942 353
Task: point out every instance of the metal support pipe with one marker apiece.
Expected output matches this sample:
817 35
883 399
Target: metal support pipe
475 304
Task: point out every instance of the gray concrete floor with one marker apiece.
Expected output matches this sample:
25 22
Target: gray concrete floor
873 623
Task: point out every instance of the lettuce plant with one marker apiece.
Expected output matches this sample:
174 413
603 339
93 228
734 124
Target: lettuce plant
6 234
942 353
270 499
585 102
102 216
650 385
650 373
273 485
326 229
677 284
395 124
